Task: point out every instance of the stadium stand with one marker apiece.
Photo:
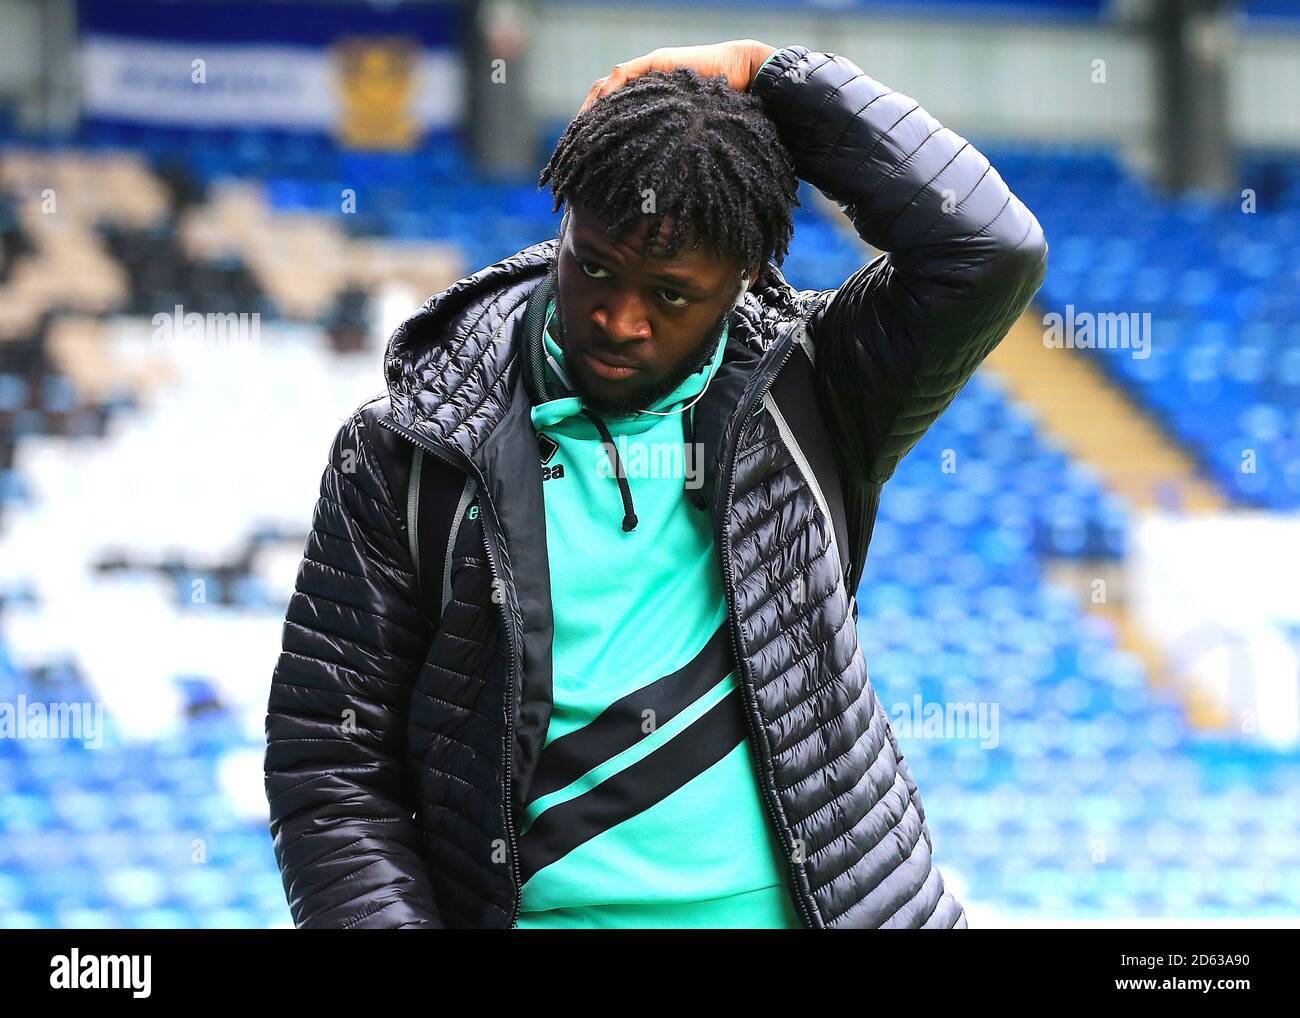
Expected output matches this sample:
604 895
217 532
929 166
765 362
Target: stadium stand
1221 281
1131 808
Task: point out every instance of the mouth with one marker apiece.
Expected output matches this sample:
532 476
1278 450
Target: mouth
612 370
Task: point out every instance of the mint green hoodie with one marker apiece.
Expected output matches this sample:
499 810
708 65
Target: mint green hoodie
645 808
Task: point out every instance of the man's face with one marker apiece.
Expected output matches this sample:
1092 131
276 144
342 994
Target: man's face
633 328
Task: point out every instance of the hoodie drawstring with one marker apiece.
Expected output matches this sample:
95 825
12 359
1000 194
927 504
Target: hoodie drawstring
624 489
630 519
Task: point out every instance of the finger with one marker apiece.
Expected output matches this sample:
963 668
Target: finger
621 74
656 60
618 76
592 95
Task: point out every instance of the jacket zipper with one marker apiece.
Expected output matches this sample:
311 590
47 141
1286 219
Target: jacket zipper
413 508
460 462
769 782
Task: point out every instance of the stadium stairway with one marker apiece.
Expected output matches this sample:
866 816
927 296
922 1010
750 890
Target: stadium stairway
1099 424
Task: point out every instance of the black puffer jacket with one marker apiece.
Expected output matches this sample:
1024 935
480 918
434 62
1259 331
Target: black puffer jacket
398 746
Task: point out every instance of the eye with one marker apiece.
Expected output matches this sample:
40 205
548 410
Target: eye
588 271
684 300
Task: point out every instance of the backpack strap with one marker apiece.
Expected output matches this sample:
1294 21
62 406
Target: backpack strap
437 497
794 393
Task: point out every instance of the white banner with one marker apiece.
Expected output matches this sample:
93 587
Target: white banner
203 84
1217 593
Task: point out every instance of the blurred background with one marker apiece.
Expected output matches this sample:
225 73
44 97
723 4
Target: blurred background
1081 609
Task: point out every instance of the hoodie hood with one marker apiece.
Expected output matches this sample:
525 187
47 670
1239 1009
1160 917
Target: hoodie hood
563 403
557 407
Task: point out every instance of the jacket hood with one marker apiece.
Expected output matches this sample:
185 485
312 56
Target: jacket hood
449 345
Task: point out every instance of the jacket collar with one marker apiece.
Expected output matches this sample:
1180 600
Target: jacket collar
452 368
455 369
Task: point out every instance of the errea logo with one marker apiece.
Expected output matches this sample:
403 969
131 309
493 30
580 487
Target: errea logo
547 447
73 971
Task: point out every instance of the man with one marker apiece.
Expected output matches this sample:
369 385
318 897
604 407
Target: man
626 696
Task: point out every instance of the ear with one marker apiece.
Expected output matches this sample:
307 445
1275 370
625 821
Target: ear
554 259
744 288
747 278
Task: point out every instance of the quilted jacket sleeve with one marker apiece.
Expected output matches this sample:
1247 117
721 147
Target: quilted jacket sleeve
353 642
900 337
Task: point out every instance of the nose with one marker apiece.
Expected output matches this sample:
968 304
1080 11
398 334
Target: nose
621 318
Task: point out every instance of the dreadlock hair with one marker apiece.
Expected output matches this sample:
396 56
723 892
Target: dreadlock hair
675 143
